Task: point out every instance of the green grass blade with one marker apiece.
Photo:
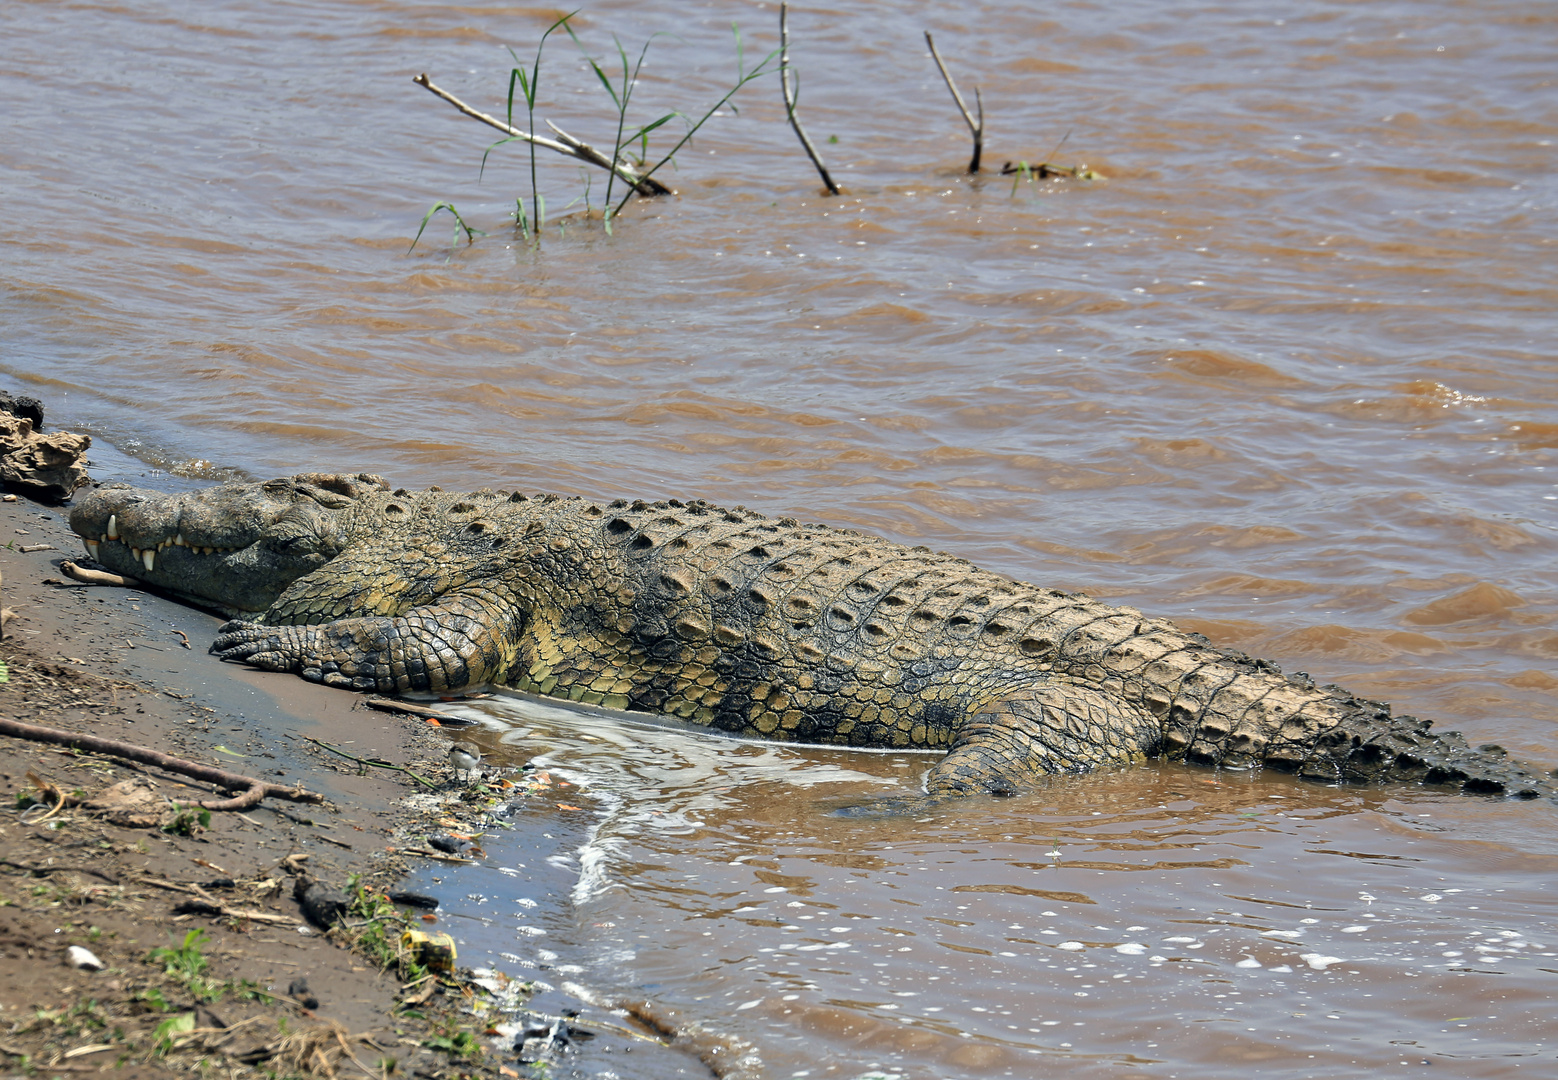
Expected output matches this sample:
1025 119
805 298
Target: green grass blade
470 233
605 81
647 128
743 77
512 138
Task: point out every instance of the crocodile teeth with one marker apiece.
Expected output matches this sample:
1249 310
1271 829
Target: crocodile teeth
92 546
148 558
113 526
179 541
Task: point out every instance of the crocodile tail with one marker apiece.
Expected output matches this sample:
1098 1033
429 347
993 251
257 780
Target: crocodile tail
1369 744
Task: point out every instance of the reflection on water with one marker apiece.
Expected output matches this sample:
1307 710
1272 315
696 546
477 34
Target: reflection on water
1285 376
1164 918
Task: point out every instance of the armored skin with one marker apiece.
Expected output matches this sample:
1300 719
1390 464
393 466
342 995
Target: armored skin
756 626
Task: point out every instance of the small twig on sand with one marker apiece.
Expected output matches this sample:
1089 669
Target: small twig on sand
40 871
977 127
433 716
571 147
97 577
253 790
423 853
206 904
789 98
371 762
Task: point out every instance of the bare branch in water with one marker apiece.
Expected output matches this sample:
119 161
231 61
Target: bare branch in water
977 127
569 147
789 98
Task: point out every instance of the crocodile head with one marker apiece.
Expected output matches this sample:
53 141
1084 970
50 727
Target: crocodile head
232 548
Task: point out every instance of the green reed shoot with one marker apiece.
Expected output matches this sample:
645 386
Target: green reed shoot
1023 171
621 93
620 99
459 222
530 86
743 76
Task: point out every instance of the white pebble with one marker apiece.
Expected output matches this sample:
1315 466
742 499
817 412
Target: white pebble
77 957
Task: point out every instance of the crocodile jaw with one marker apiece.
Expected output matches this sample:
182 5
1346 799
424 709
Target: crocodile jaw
233 549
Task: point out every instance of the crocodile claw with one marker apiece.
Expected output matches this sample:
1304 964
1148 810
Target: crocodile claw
251 643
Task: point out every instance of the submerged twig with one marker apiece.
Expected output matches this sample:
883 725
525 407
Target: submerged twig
976 127
789 98
572 148
1043 170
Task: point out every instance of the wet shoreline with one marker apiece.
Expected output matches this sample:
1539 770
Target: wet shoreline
172 697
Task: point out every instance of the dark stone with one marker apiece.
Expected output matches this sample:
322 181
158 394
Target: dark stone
47 467
321 905
25 408
449 845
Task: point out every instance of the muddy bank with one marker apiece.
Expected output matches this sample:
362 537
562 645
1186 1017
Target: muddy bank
254 987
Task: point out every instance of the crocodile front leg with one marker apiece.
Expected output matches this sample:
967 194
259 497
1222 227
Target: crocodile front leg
1054 728
458 642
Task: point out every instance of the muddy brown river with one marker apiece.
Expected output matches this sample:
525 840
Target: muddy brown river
1284 372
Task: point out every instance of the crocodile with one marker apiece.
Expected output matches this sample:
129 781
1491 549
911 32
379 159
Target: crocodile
756 626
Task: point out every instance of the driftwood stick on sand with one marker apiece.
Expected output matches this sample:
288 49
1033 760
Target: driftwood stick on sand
568 147
789 98
252 790
385 704
977 127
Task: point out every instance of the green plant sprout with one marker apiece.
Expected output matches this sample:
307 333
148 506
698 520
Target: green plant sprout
188 820
530 87
470 233
620 100
743 76
620 89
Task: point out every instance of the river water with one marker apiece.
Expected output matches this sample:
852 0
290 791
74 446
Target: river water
1283 373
